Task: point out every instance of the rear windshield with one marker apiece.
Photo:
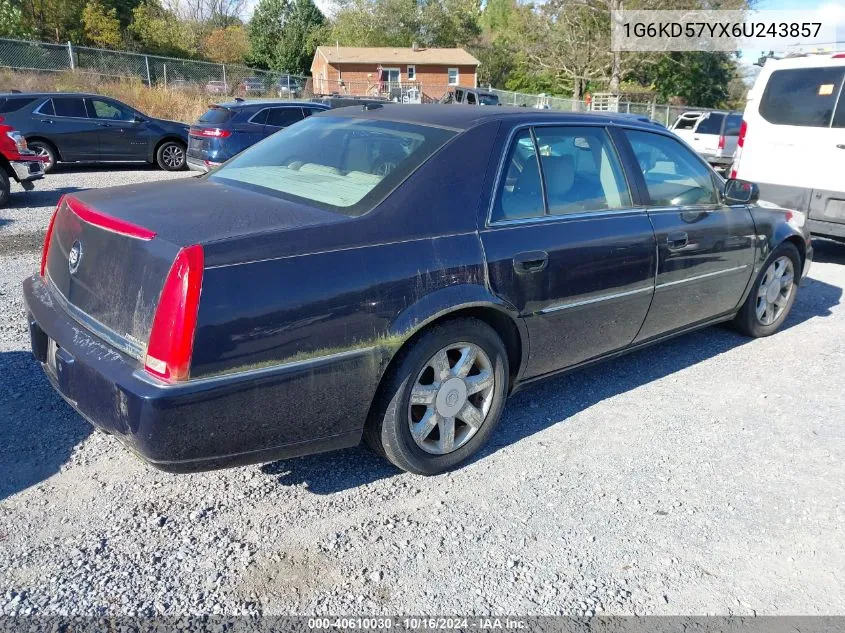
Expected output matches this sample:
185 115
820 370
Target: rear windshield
801 96
15 103
215 116
341 164
488 99
712 124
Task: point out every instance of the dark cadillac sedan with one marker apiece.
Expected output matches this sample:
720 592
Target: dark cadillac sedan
304 295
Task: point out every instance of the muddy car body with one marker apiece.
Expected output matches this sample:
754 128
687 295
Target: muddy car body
298 298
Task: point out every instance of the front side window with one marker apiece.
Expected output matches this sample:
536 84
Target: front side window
801 96
453 77
471 99
282 117
520 192
581 170
673 175
342 164
100 109
70 106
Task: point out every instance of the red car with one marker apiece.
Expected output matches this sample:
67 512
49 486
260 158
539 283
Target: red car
17 161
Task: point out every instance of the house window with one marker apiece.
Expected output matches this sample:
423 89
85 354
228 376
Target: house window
453 76
412 73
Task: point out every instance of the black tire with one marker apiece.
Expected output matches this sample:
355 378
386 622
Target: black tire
5 191
172 156
388 431
45 149
747 320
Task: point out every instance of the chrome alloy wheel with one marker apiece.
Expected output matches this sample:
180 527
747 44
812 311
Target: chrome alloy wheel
775 290
451 398
173 156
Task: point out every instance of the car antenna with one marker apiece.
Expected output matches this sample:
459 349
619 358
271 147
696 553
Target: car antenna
372 106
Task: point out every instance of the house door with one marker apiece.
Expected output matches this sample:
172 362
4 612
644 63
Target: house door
391 79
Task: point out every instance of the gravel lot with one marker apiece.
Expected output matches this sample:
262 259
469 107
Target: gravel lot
701 476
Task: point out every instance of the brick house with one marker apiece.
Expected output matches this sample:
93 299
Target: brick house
392 72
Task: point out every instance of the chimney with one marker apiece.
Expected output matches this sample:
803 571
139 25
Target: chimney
414 46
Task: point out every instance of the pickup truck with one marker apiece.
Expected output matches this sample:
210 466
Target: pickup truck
17 162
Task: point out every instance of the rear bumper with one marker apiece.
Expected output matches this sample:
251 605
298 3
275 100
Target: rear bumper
198 164
718 160
27 169
243 418
825 209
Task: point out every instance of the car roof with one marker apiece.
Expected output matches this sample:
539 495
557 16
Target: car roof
261 103
466 117
53 94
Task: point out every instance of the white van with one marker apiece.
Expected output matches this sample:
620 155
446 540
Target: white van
792 142
714 135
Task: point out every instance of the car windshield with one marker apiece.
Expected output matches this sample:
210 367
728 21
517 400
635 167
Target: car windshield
341 164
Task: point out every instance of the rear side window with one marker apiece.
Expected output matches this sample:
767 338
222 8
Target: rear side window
673 175
732 125
520 192
70 106
802 96
215 116
12 105
260 118
581 171
46 108
711 124
471 98
282 117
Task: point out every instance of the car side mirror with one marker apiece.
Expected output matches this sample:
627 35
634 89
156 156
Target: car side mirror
139 119
740 192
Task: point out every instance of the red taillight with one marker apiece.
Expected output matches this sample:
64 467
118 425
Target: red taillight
740 143
721 142
107 222
838 56
743 128
211 132
174 325
49 235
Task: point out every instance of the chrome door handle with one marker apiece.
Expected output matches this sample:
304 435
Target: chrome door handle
677 241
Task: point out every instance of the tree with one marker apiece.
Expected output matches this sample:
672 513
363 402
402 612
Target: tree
12 20
228 45
100 25
282 34
700 79
295 50
567 41
160 31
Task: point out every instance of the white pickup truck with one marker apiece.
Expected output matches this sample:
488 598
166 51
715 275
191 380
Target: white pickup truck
713 135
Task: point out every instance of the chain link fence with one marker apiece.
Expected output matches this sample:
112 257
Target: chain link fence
171 72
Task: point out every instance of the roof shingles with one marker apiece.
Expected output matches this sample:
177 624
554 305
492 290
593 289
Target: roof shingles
384 55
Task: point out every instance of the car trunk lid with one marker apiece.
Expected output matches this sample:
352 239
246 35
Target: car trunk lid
110 250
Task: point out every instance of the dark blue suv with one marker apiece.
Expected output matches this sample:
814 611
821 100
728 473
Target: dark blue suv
229 128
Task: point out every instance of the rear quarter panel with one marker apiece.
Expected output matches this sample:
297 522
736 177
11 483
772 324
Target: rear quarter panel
359 284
